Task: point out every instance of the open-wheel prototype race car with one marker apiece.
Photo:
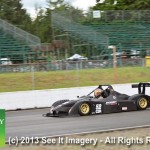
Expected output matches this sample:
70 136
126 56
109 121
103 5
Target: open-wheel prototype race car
108 101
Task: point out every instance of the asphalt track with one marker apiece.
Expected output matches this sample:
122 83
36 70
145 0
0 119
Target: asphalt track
31 123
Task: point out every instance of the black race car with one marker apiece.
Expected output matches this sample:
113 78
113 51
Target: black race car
110 101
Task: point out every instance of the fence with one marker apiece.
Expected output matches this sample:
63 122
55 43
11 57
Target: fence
75 32
128 30
70 65
19 33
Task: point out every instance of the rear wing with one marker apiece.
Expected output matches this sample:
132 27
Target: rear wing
141 87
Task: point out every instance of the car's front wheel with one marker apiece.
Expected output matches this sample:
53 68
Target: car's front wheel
84 109
142 103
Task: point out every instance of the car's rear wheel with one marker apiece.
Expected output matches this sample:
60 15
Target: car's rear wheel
84 109
142 103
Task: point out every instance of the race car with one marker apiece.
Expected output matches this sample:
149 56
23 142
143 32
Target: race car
110 101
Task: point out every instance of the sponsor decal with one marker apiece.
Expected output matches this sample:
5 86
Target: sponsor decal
98 108
2 128
114 97
111 103
65 102
124 108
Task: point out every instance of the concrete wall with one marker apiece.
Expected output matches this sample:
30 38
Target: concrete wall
45 98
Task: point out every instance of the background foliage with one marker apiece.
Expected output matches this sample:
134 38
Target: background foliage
14 13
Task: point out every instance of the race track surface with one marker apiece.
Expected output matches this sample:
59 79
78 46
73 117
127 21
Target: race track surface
31 123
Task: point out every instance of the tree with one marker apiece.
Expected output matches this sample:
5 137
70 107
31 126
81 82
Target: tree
14 13
55 4
42 25
123 5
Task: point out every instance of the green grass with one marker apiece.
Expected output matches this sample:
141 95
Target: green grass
63 79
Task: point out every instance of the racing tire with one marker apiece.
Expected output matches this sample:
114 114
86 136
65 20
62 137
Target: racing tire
84 109
142 103
59 102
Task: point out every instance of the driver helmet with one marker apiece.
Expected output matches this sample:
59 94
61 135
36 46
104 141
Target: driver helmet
98 92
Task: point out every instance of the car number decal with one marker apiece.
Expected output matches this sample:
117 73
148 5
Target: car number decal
98 108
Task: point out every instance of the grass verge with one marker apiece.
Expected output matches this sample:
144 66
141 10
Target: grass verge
72 78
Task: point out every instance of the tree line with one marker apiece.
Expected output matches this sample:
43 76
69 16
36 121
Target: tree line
13 12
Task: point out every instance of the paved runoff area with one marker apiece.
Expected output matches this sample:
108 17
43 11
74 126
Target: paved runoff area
133 139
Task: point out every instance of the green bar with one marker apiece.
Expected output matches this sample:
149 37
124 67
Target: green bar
2 128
